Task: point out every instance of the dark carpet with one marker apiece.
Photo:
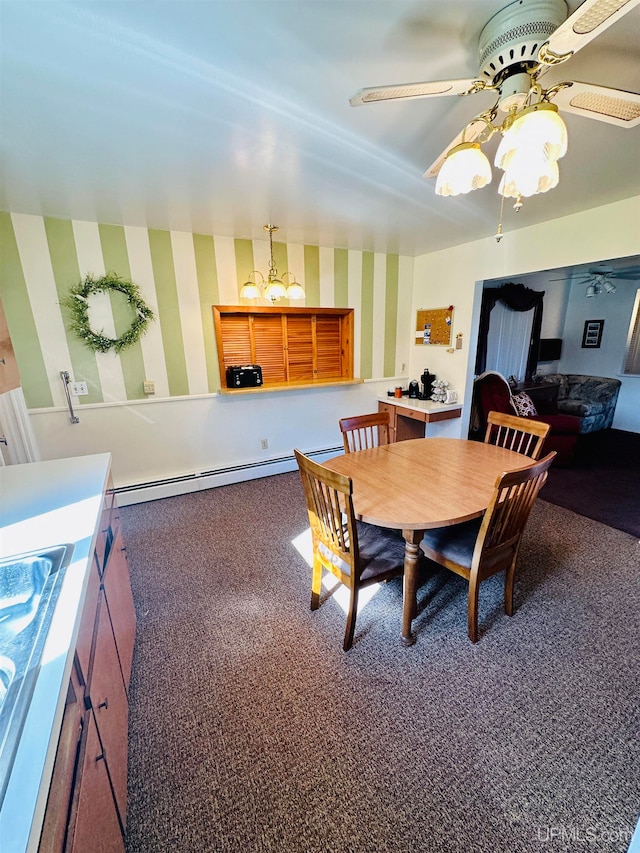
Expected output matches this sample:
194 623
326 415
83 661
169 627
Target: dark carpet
604 481
251 730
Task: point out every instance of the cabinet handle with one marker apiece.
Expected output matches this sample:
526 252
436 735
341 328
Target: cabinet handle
104 704
100 757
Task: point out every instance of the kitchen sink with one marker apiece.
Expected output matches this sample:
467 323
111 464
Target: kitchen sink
29 589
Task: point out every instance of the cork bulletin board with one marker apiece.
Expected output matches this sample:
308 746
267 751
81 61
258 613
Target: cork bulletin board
433 326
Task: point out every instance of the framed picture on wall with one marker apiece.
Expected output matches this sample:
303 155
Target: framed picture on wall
592 334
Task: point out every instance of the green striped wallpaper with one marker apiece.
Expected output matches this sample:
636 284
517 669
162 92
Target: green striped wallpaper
181 276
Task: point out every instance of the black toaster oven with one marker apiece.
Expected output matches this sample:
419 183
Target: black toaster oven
245 376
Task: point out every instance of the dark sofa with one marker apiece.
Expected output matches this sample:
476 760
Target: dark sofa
590 398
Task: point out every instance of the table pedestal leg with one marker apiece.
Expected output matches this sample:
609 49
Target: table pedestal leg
410 584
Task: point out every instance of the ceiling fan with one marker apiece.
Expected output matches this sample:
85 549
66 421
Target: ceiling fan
601 279
516 47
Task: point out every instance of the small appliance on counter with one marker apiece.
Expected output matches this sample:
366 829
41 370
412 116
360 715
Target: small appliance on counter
244 376
427 380
414 390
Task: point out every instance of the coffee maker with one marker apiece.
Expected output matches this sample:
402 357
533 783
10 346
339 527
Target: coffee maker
427 379
414 392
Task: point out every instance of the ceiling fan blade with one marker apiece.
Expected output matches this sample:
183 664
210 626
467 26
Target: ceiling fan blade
588 21
471 131
407 91
613 106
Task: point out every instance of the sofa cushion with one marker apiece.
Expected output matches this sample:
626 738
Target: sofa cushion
582 408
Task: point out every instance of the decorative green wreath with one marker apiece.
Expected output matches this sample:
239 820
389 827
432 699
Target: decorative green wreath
78 304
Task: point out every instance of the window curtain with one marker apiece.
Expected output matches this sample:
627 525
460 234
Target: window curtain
508 341
517 297
632 359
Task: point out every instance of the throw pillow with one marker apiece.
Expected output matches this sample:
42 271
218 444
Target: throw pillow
523 405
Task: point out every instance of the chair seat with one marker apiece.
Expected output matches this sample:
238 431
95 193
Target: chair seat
456 542
381 551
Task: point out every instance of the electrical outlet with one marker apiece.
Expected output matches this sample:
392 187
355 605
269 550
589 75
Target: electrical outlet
264 443
403 367
78 389
149 387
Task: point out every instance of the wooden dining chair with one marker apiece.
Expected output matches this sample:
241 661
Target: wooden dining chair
357 554
363 431
480 548
523 435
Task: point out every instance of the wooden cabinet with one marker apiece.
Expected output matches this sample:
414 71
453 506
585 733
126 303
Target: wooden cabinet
87 804
291 345
406 422
96 826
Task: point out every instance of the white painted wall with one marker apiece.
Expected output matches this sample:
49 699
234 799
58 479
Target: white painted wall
455 276
152 440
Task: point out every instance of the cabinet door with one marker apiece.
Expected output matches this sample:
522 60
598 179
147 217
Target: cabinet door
109 702
54 827
96 821
117 589
392 410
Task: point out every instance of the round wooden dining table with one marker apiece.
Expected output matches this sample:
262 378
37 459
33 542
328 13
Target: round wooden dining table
419 484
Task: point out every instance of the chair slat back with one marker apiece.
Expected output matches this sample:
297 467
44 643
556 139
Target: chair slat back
507 514
363 431
522 435
330 508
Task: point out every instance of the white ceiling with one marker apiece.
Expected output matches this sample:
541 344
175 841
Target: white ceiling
217 117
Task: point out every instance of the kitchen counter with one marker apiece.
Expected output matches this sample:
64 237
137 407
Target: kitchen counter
428 408
413 418
43 504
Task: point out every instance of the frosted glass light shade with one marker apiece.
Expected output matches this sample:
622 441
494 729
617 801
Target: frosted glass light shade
465 168
295 291
539 131
527 176
275 290
249 290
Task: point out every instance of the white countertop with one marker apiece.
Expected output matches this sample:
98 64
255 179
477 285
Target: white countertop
421 405
43 504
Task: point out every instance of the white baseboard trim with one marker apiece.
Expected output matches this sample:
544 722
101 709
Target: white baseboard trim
197 481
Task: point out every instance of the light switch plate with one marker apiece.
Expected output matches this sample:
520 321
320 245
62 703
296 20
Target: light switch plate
78 389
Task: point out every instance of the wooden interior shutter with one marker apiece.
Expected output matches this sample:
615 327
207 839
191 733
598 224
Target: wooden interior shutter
300 348
269 347
328 347
236 340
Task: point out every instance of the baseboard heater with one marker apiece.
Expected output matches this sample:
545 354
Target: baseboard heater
230 474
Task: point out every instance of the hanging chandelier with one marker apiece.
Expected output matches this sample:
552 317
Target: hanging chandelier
272 287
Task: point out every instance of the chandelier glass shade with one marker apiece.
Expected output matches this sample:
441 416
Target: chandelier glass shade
465 168
273 287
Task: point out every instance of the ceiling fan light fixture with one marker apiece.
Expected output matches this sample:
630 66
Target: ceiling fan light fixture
591 290
527 176
465 168
609 286
539 131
